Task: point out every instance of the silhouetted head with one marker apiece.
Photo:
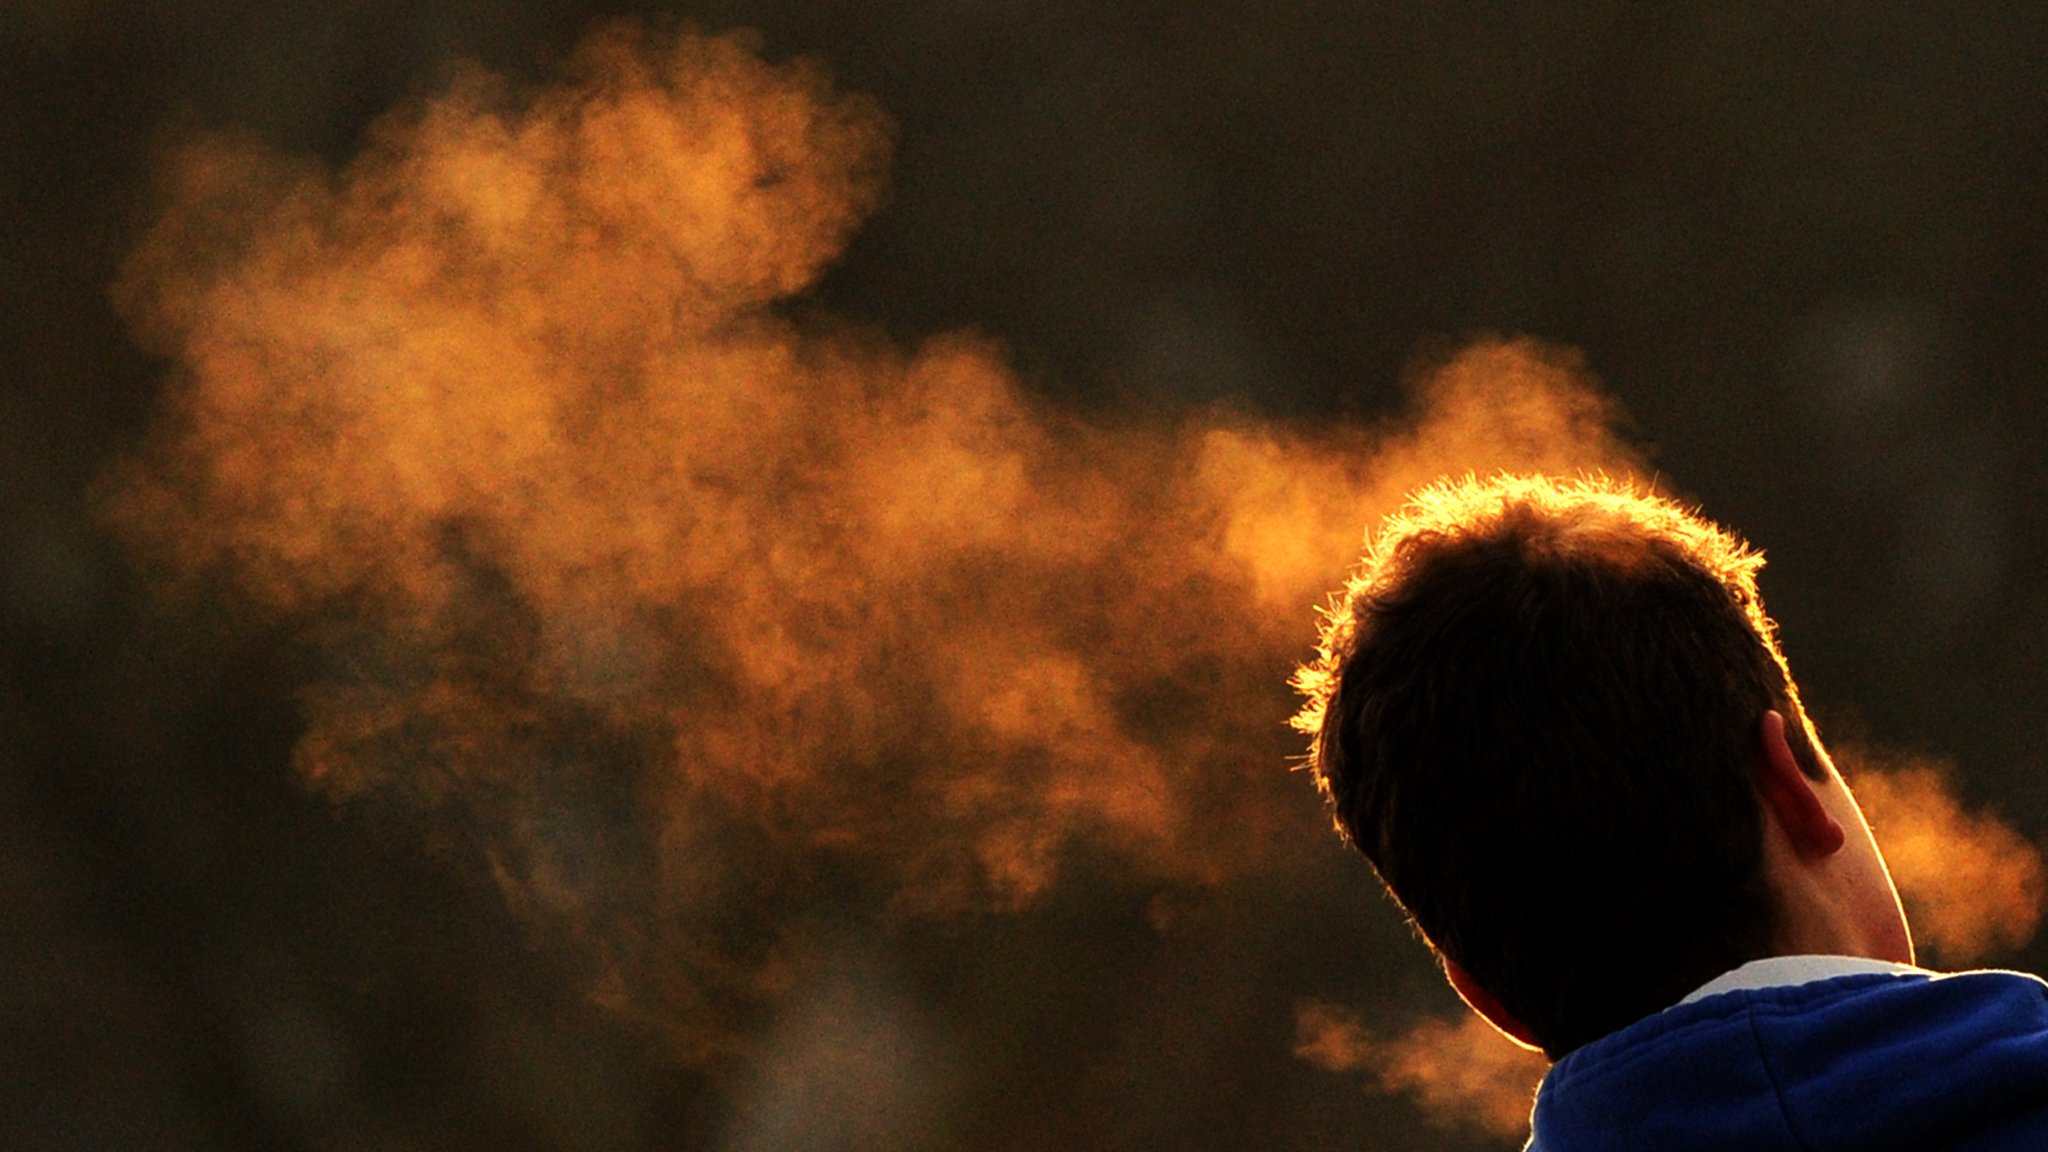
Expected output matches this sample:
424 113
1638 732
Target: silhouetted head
1540 711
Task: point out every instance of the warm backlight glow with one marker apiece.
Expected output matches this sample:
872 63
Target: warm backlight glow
1971 884
666 605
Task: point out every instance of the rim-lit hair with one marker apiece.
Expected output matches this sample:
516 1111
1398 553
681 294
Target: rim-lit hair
1534 709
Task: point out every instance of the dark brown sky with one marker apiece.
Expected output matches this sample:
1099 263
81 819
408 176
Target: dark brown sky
1802 245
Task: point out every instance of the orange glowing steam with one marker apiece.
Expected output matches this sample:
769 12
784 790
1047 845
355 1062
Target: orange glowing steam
1288 502
1971 884
1462 1074
665 604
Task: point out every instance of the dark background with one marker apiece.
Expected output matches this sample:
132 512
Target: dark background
1802 244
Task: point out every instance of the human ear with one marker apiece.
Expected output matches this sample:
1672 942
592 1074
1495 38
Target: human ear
1482 1002
1790 796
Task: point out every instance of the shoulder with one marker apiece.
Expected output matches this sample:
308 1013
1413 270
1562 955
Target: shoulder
1922 1061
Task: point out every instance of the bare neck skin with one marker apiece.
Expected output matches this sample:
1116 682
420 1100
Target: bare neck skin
1835 895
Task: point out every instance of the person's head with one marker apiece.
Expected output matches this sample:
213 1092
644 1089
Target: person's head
1549 712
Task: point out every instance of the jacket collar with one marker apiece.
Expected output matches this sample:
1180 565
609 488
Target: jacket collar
1774 971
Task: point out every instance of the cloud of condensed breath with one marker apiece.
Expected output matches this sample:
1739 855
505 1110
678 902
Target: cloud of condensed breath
665 604
1461 1073
1971 884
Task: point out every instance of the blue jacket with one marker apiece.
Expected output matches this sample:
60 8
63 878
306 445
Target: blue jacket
1862 1063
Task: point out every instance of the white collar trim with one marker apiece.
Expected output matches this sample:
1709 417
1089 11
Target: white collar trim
1773 971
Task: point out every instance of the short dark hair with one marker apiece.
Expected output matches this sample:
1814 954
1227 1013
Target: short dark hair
1535 711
